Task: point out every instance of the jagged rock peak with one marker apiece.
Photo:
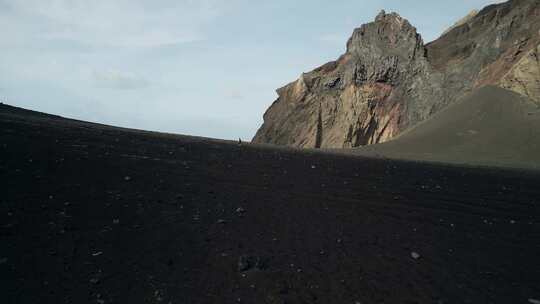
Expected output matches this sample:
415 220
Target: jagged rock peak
388 32
384 17
381 14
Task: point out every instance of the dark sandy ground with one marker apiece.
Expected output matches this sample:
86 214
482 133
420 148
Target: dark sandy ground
490 127
95 214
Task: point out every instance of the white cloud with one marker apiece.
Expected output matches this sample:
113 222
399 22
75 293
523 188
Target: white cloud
114 79
113 23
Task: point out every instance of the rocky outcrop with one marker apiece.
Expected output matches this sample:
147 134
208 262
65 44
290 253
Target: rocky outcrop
388 80
362 97
523 77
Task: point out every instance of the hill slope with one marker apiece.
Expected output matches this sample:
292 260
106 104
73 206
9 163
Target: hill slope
491 126
96 214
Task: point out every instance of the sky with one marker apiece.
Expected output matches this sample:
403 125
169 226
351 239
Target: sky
198 67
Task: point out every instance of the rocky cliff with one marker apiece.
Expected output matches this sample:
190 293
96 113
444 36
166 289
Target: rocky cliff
389 80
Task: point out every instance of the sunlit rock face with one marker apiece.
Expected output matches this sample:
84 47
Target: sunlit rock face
524 76
389 80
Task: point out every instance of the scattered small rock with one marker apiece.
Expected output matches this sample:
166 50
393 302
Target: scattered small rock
240 210
158 295
98 296
246 263
97 253
415 255
127 178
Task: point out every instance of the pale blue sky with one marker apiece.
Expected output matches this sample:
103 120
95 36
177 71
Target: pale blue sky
198 67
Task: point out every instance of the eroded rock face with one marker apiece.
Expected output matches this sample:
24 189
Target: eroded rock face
485 49
523 77
388 80
362 98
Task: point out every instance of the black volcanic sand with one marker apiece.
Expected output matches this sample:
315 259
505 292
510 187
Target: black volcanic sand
491 126
95 214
